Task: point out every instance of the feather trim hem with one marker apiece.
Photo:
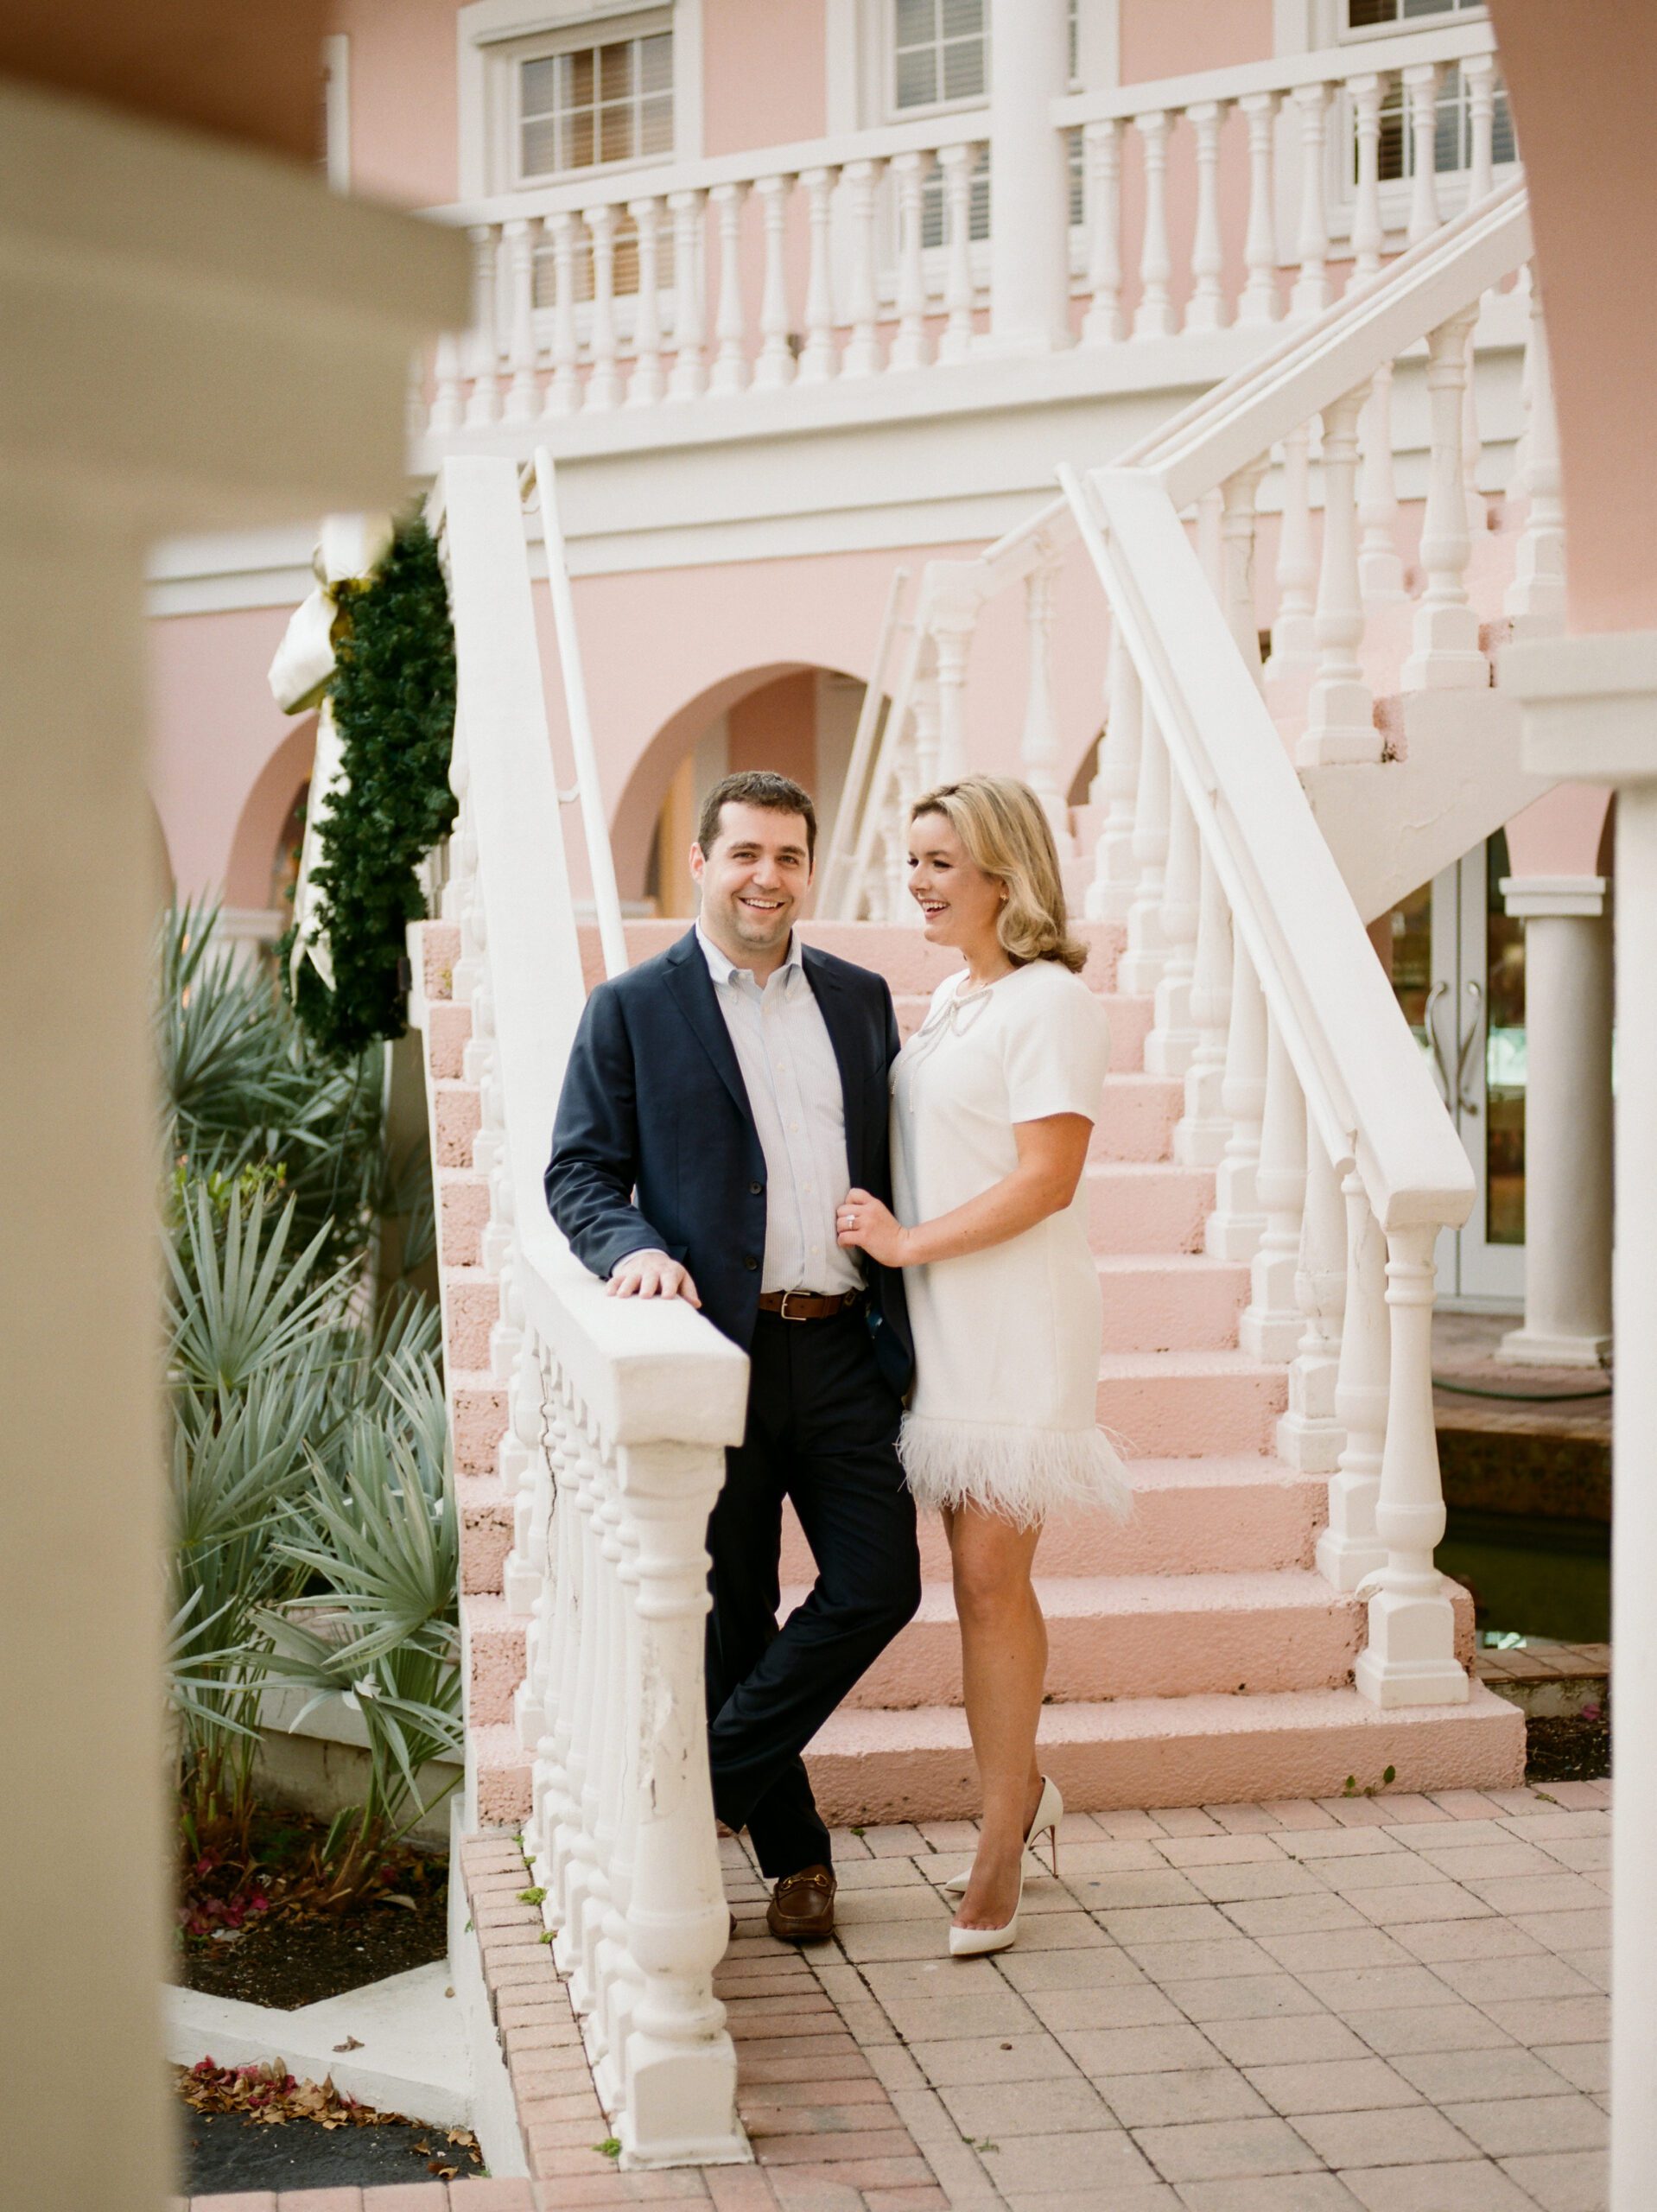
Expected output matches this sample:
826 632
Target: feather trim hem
1024 1475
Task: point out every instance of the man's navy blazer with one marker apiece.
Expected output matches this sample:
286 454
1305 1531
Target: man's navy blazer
654 1104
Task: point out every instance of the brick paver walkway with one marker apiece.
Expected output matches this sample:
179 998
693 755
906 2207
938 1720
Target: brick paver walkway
1393 2005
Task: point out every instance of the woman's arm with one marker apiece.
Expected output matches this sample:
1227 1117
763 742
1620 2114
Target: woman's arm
1051 1154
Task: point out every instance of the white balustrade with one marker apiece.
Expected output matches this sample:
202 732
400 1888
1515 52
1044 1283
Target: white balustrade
483 403
565 393
1421 95
953 629
1237 518
523 401
956 164
1201 1132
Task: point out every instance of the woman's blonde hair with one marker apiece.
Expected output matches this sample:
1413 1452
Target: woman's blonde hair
1006 831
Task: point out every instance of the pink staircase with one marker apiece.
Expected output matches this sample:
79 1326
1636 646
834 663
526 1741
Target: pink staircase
1197 1655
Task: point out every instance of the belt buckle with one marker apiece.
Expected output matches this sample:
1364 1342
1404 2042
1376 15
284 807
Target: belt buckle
783 1313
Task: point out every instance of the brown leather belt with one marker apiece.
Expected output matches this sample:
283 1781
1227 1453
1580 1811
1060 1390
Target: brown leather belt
808 1304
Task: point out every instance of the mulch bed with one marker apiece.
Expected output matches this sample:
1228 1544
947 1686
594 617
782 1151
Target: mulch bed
1568 1748
256 1926
255 2127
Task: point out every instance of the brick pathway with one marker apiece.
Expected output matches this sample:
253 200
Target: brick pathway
1374 2006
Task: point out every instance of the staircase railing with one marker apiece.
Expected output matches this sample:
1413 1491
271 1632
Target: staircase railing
618 1415
1335 1164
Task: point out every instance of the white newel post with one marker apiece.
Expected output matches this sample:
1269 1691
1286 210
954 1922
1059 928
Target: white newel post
1260 301
1235 1226
1155 315
1340 709
1271 1326
1310 1434
1591 712
1446 654
1111 891
1029 243
1039 752
1101 145
1567 1122
1410 1658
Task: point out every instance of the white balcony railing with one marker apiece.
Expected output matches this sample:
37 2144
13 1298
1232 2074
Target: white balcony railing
618 1416
1335 1165
841 260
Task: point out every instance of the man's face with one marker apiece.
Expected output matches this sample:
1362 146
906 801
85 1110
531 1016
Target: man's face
753 879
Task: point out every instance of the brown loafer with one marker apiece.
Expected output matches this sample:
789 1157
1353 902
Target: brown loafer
802 1908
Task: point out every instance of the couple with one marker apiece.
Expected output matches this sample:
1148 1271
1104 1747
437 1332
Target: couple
740 1129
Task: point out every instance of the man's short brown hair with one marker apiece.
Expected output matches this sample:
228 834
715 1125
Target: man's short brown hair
760 787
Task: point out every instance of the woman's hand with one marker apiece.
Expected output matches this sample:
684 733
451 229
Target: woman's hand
864 1222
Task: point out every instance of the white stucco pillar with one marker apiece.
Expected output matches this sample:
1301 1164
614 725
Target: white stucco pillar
1567 1122
191 336
1591 713
1030 185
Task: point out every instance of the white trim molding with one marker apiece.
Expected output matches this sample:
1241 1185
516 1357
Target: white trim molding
1527 897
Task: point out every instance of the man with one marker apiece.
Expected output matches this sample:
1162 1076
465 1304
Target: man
720 1100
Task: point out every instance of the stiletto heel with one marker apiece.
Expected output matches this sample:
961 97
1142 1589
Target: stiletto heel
1050 1811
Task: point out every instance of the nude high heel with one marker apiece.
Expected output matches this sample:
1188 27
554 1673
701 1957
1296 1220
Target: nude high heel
1050 1811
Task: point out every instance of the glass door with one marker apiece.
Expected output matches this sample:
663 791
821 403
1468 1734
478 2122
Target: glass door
1458 969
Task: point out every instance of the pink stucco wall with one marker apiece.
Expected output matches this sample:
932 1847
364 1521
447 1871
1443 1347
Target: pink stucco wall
403 116
776 728
763 74
1174 38
1562 833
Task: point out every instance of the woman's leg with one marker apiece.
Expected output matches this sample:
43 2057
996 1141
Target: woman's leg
1003 1664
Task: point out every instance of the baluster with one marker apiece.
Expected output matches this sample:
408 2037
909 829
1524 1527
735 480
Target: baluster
522 395
1478 516
564 392
1102 152
1479 74
1410 1658
1201 1132
689 376
775 367
862 354
679 2064
1380 570
1271 1325
956 163
1535 599
1139 969
1293 640
619 1978
647 384
730 327
1446 637
923 705
1235 1226
484 404
574 1854
1368 234
1340 711
1111 891
1171 1043
1237 518
1311 291
953 628
586 1981
909 347
604 379
1038 755
551 1797
447 408
1206 308
1347 1549
1154 317
1260 301
1421 93
818 362
1309 1435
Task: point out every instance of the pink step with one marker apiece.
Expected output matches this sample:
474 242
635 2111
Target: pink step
457 1116
449 1031
1147 1206
462 1215
502 1767
485 1532
869 1766
1190 1516
440 947
471 1309
478 1418
1185 1301
1131 1635
1183 1405
1136 1120
493 1640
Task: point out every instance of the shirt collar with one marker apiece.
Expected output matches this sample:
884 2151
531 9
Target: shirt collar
723 970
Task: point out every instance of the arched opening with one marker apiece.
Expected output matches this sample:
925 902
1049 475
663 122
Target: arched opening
265 853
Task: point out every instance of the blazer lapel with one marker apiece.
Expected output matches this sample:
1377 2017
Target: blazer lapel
850 1055
693 988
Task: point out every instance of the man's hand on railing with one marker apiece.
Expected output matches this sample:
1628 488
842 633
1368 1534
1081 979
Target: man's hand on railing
651 1274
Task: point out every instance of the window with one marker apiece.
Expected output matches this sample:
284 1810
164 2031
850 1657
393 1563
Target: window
1378 14
941 51
1453 137
595 106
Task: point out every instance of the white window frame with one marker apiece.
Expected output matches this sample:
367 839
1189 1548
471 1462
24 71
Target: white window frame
1339 33
495 35
891 112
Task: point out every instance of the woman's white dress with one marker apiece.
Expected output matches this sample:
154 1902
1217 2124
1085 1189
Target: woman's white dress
1006 1340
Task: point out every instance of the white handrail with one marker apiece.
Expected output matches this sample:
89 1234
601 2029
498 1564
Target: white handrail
600 860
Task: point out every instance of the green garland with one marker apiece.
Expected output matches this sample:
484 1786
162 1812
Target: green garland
393 693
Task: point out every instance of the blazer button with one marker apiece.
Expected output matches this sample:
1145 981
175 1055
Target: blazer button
755 1189
749 1260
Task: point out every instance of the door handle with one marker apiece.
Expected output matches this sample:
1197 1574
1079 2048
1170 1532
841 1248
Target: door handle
1468 1103
1440 1066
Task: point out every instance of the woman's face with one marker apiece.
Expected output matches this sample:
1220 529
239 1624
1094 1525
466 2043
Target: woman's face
959 903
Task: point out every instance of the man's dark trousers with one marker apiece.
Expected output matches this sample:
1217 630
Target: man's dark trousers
822 1425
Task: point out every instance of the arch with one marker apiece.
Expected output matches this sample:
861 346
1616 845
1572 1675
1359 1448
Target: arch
249 868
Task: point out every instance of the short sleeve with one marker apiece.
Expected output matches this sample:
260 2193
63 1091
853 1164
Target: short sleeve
1058 1051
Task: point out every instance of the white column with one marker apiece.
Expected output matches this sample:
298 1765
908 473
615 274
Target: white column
483 406
775 367
1237 520
1155 315
1206 308
1567 1122
1102 144
1030 251
1172 1039
1260 301
1366 232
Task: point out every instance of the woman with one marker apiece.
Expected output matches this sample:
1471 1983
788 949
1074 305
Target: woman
993 1100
